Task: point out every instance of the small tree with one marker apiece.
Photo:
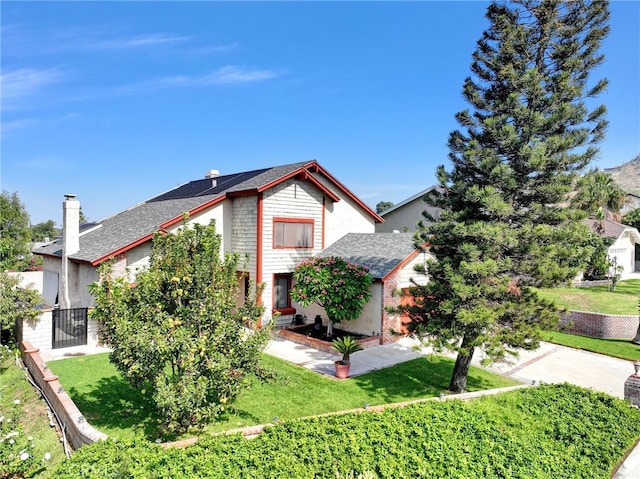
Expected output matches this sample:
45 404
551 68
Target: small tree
179 333
15 303
15 233
383 205
46 229
339 286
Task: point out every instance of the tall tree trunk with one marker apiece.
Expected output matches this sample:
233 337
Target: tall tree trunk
463 362
636 340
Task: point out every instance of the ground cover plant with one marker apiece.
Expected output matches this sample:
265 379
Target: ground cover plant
618 348
544 432
112 406
624 300
29 446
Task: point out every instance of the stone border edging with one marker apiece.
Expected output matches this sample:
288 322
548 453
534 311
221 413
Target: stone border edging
76 428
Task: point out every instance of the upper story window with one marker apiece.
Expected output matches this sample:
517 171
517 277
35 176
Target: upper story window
292 233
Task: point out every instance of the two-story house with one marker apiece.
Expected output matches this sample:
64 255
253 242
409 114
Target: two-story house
278 216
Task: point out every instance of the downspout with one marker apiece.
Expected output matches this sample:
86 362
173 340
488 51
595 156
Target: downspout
70 246
259 219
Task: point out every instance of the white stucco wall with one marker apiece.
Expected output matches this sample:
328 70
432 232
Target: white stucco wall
370 320
29 279
624 251
51 274
85 275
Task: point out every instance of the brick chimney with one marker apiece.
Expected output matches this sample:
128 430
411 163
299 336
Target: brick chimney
70 246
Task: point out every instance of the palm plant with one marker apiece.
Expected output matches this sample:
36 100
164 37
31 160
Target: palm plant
600 196
346 346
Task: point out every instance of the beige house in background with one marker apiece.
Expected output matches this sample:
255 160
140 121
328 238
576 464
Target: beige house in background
404 216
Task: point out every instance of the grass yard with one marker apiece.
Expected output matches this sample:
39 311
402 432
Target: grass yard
110 405
618 348
23 411
624 300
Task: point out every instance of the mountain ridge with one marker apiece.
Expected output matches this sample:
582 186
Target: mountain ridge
627 175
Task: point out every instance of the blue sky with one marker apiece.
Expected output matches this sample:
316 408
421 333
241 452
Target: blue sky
119 101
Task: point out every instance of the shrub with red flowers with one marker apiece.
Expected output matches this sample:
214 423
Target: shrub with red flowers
339 286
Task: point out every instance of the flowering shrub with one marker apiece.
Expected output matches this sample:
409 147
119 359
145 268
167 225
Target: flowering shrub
16 449
339 286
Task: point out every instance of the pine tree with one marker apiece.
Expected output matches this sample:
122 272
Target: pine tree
505 224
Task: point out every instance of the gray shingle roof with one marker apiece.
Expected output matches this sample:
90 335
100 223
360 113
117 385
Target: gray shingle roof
380 252
139 221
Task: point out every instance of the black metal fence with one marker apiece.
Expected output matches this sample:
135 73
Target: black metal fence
69 327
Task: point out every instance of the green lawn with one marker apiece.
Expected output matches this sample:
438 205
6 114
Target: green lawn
624 300
110 405
619 348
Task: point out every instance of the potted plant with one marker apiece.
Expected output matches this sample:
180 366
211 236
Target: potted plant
346 346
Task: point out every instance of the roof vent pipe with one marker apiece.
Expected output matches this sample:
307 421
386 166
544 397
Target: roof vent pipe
212 174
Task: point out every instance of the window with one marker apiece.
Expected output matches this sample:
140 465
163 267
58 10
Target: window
281 297
292 233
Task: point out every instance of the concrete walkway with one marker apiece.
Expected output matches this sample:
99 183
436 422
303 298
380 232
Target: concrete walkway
548 364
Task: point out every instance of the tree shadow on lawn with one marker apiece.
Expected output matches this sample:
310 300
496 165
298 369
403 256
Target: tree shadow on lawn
418 378
114 407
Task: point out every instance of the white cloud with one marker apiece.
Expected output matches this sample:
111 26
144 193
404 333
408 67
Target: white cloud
18 124
227 75
142 41
25 82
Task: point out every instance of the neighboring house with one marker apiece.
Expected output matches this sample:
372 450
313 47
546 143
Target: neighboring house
391 259
277 216
626 246
404 216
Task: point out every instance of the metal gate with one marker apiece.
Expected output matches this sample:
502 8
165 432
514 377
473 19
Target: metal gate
69 327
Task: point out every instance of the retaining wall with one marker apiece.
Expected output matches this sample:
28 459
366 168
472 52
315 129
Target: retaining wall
602 326
75 426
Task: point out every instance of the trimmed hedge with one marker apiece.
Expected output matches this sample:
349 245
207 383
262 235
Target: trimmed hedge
545 432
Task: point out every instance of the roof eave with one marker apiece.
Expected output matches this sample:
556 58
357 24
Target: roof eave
315 167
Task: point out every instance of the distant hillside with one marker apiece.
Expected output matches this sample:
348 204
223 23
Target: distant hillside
627 175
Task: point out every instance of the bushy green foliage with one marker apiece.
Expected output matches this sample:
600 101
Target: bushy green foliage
599 194
339 286
46 229
599 262
632 218
504 223
545 432
15 303
179 334
15 233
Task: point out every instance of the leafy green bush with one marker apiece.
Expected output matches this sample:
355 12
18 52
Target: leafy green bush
550 431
